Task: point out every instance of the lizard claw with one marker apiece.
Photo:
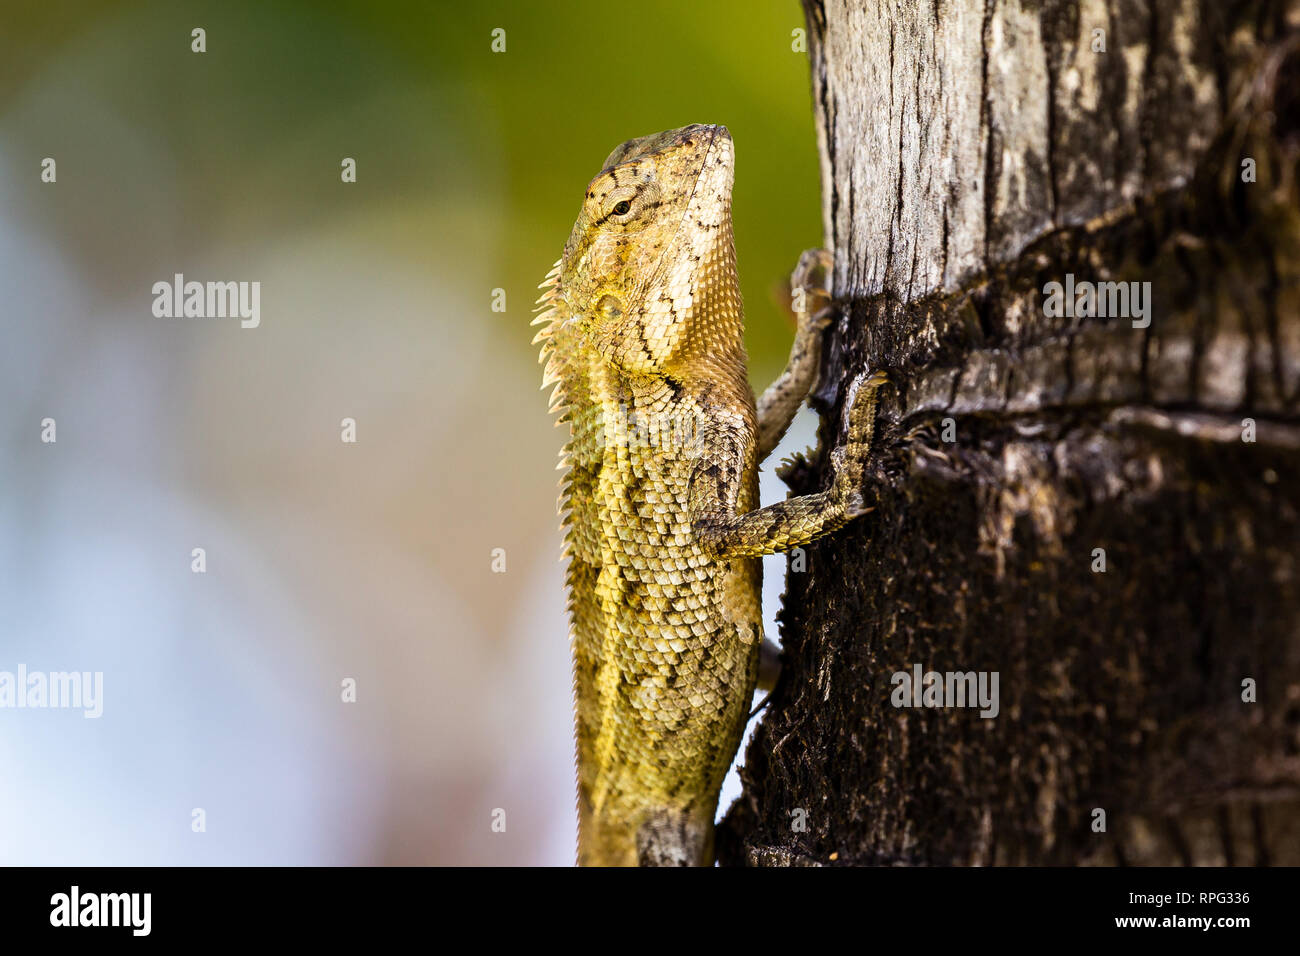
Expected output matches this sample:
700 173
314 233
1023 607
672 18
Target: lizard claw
822 319
855 506
805 285
809 263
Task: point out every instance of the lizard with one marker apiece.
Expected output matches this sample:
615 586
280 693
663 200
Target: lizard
642 336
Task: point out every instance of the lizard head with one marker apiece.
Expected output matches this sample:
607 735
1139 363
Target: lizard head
652 250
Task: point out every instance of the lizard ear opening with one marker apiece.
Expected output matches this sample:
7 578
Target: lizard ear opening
610 308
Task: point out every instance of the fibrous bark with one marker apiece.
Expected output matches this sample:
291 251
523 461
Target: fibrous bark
974 151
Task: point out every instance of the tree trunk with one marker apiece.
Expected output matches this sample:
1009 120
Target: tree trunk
1105 511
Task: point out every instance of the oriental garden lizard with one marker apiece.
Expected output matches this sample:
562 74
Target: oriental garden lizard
642 335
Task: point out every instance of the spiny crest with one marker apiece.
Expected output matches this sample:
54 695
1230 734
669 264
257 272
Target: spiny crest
552 317
559 373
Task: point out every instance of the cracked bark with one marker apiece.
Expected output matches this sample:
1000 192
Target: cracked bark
972 152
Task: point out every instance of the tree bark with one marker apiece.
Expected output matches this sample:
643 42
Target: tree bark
974 151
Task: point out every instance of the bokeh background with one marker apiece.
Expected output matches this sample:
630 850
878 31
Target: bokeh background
325 560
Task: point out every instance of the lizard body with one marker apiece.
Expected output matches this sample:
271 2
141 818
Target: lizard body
642 335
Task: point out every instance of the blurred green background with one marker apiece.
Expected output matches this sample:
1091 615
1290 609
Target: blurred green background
326 560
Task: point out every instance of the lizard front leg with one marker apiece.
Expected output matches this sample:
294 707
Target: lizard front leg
811 299
715 487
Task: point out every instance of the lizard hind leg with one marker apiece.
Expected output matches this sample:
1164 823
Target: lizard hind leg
810 303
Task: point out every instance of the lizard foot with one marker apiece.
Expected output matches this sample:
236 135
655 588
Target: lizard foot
810 285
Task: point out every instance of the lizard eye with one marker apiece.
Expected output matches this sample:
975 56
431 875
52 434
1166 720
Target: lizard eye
622 208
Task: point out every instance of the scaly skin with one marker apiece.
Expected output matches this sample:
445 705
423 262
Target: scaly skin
643 337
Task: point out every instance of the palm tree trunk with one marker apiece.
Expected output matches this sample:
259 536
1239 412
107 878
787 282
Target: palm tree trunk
1099 505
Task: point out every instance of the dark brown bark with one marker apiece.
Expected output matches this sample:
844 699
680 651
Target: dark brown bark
973 152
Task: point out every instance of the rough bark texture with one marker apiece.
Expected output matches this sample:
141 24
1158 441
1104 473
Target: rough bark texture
973 151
